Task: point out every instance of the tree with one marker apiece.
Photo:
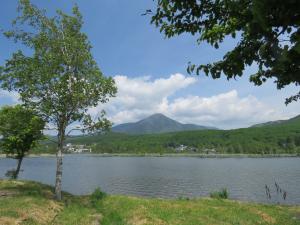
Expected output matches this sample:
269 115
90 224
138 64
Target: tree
269 33
20 129
60 79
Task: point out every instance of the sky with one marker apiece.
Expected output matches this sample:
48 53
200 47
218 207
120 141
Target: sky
150 70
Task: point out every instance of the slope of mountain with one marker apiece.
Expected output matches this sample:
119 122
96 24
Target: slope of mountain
157 123
276 139
277 122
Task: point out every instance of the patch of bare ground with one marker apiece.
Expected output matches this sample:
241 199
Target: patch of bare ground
139 217
96 219
7 221
296 213
264 216
7 193
41 215
142 220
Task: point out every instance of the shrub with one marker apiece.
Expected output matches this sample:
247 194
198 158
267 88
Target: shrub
183 198
97 196
222 194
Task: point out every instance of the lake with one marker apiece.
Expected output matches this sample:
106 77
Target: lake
168 177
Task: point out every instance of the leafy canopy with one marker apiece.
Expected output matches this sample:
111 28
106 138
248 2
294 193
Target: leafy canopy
20 129
60 79
269 32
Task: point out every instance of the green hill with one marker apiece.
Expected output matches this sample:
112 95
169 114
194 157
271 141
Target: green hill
278 138
278 122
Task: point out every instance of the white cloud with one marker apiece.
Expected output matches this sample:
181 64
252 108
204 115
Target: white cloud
141 97
226 110
138 92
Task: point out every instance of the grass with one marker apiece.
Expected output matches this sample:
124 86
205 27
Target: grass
24 202
33 203
222 194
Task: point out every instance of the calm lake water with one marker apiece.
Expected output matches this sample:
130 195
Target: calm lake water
168 177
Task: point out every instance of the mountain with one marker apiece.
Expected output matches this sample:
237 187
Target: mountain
271 139
278 122
157 123
282 137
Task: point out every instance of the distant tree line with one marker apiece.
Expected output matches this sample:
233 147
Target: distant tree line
275 139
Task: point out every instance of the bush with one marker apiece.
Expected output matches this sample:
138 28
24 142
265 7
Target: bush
97 196
182 198
223 194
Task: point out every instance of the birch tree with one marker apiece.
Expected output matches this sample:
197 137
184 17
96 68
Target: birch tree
60 79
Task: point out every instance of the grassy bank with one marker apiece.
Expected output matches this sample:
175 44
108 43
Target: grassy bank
32 203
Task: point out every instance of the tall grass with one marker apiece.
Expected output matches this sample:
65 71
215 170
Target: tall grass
222 194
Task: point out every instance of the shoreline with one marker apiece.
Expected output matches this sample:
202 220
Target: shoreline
196 198
200 155
100 208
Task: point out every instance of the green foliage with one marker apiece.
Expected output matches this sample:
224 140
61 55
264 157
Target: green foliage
20 129
222 194
97 196
268 33
59 79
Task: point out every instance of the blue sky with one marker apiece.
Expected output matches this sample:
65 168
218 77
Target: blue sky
128 47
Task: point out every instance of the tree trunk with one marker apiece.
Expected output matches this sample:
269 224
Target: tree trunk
58 174
16 173
59 168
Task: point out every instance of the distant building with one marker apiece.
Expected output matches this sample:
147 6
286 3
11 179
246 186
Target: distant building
77 148
210 151
181 148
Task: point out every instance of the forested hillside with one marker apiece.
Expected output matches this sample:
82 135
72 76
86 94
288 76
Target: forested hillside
278 138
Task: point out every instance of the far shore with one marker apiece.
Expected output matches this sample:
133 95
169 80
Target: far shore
199 155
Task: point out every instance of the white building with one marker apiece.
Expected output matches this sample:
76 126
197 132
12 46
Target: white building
181 148
77 148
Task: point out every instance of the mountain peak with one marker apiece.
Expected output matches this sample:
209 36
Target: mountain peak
157 116
156 123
